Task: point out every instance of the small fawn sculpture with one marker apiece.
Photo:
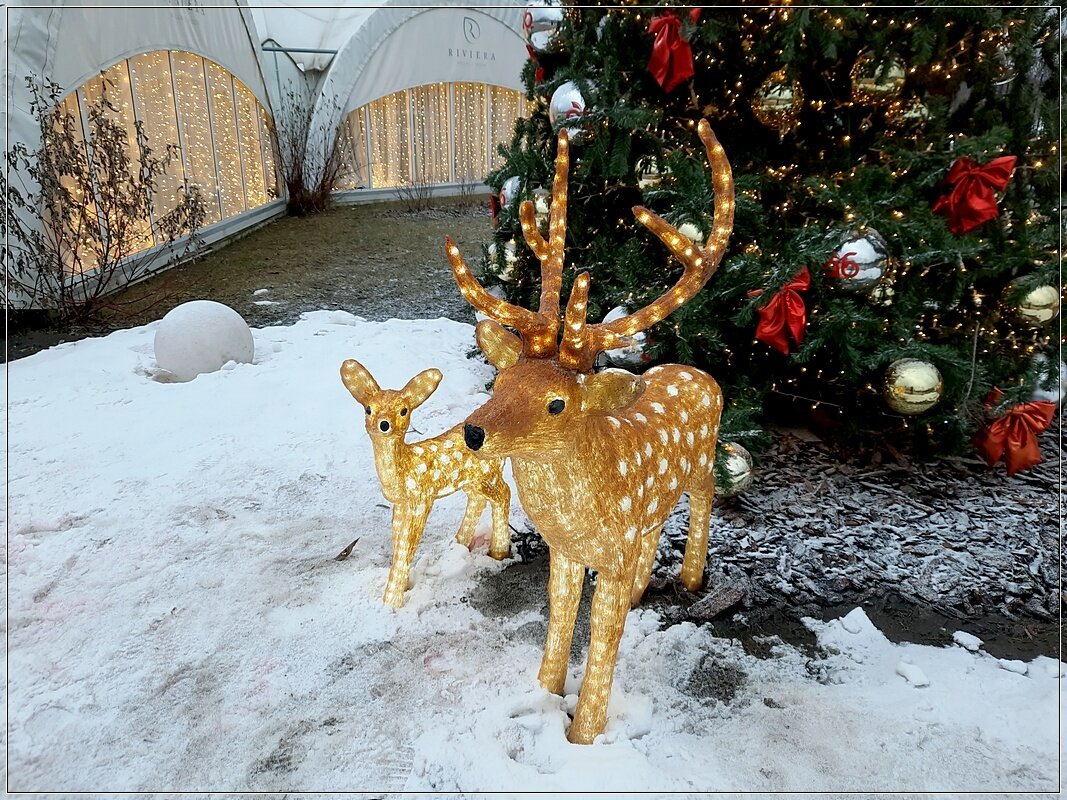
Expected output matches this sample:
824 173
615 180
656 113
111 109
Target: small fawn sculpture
414 476
599 459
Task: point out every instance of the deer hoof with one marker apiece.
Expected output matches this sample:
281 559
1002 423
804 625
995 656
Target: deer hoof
500 555
579 734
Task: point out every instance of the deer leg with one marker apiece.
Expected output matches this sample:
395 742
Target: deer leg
475 507
565 578
646 559
696 545
408 524
611 602
500 501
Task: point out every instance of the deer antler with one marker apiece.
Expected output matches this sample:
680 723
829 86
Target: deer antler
581 342
540 328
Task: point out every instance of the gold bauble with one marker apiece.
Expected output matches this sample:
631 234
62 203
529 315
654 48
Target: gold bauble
876 82
912 386
1039 305
901 113
738 464
777 102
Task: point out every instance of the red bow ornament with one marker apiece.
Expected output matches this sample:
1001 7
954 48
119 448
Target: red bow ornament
671 63
971 202
1014 435
539 71
494 208
785 315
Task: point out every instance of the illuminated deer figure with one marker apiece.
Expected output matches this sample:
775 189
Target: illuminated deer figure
414 476
599 459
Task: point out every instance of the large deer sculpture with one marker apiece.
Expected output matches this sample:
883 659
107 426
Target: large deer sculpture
599 459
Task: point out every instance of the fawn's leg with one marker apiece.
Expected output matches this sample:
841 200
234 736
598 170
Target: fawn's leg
408 524
475 506
611 602
565 578
696 545
500 500
646 559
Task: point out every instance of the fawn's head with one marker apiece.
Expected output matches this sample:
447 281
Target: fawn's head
546 384
387 411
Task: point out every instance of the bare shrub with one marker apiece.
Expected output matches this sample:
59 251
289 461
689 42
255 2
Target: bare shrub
312 156
416 195
80 217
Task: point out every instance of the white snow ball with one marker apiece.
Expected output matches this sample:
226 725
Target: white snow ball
200 336
967 640
912 674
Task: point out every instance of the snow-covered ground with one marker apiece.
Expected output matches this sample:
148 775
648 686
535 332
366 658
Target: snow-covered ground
178 620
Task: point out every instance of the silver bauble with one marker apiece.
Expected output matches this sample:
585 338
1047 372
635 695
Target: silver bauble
738 464
632 356
540 25
912 386
567 108
1056 392
859 263
509 191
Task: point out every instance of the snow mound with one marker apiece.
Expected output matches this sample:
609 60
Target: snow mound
177 617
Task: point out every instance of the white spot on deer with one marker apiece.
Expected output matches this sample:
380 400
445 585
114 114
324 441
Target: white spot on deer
448 443
648 448
641 418
411 483
654 370
623 467
676 435
455 474
648 482
663 436
631 532
673 484
684 415
437 474
672 390
433 448
420 467
662 466
625 504
703 459
637 459
581 379
685 376
685 465
447 489
615 423
640 491
705 401
652 506
485 466
689 438
420 509
417 450
657 407
704 430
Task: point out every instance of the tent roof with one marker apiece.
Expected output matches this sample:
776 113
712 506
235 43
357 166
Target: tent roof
293 25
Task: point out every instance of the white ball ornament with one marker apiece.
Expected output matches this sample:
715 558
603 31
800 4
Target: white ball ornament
692 232
540 25
567 108
509 191
633 355
859 264
738 464
1056 392
201 336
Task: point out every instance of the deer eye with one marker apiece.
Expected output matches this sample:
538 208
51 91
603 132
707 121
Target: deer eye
556 406
403 412
368 410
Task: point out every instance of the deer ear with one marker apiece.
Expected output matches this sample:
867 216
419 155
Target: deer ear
610 390
500 346
359 381
421 386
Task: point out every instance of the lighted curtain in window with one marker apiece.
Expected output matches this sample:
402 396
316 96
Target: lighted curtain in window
430 135
468 116
224 129
390 161
251 155
155 106
504 109
198 145
266 143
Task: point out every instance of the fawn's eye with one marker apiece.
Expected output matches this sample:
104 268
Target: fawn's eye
403 412
368 410
556 406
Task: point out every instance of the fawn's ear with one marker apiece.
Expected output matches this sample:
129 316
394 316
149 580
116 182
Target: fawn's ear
358 381
610 389
500 346
421 386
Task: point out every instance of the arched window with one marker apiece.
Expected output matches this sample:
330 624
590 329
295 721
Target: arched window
222 135
432 134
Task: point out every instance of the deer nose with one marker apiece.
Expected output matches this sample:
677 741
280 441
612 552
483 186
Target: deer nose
473 436
384 426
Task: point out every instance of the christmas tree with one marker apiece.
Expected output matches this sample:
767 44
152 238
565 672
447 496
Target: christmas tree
893 271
